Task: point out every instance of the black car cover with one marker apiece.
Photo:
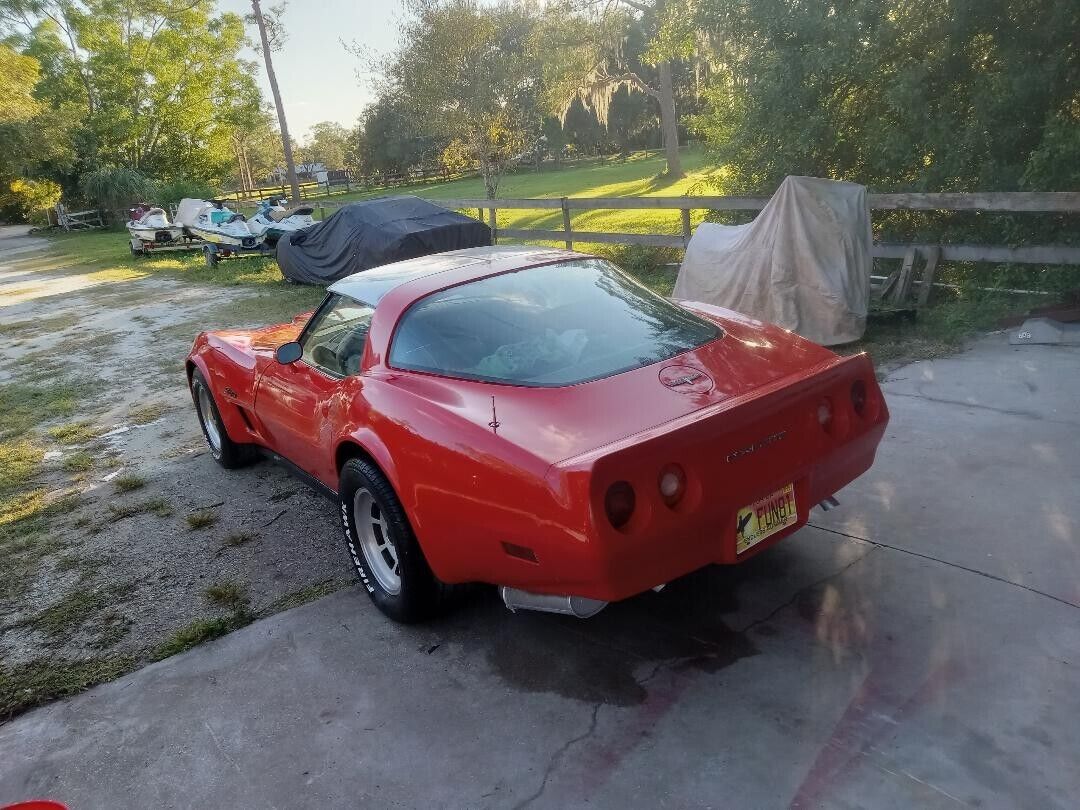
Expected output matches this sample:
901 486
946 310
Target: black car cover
367 234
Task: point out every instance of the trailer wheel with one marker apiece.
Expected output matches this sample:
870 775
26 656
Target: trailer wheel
211 257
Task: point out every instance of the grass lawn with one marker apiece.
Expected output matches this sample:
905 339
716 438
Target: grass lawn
107 255
637 176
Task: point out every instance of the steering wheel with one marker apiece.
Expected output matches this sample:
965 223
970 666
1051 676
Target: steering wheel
351 351
324 356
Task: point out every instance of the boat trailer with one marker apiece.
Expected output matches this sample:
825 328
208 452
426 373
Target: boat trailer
142 247
213 253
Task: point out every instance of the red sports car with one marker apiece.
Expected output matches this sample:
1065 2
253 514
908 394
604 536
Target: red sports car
537 420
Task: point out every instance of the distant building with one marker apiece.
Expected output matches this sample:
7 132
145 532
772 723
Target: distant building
305 173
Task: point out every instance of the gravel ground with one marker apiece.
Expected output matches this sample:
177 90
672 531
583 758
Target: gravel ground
142 521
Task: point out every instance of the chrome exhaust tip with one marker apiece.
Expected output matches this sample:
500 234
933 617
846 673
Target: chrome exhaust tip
829 503
581 607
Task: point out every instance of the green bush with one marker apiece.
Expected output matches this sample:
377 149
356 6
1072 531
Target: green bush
116 189
174 191
26 200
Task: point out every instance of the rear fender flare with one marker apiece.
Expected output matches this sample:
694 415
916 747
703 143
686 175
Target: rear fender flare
367 443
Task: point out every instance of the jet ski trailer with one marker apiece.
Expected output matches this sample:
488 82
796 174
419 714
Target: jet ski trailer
183 243
150 231
213 252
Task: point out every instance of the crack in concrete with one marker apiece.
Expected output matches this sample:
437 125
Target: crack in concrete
553 763
978 406
807 589
994 577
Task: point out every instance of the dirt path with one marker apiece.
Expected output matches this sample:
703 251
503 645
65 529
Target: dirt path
123 522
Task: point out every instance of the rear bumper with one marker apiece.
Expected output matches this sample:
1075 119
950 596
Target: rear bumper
708 536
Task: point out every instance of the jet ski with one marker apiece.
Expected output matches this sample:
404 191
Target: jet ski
273 220
213 222
150 224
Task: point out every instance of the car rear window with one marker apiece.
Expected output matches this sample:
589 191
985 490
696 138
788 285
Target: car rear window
557 324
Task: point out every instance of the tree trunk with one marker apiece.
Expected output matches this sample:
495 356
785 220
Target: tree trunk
244 171
669 122
239 163
491 178
286 142
488 170
249 181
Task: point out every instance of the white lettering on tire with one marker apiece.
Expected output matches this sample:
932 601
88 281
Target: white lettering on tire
358 559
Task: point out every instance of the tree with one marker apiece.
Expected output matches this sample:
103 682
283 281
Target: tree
18 76
327 144
270 29
465 70
899 95
585 61
391 139
145 86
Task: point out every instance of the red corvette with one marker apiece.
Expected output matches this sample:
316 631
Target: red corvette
536 420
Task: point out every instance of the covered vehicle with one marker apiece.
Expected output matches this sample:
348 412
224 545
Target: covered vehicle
537 420
803 263
371 233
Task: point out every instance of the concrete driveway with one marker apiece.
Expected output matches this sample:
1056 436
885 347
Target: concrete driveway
917 647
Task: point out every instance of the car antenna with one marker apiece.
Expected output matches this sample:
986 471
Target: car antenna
494 423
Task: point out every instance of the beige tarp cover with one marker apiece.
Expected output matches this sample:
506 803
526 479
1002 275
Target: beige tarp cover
803 263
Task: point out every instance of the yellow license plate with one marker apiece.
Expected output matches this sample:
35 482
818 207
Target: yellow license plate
765 517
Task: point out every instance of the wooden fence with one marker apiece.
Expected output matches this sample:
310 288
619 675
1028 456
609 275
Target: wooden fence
1015 202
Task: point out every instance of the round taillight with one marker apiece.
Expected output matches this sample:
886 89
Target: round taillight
824 415
619 503
858 397
672 484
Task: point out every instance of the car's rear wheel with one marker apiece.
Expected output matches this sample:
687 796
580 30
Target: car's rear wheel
226 452
387 556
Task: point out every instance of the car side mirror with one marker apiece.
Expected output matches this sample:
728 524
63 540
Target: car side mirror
288 353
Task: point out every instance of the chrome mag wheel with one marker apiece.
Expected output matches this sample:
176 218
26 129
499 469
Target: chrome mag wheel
376 542
209 420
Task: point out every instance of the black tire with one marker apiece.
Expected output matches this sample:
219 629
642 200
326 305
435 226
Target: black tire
227 453
420 594
210 257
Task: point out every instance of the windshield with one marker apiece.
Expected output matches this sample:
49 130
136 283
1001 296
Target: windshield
557 324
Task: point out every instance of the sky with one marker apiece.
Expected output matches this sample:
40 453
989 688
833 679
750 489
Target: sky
317 77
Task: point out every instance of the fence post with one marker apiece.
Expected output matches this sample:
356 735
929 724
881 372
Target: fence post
480 214
902 285
491 224
322 213
566 223
933 253
685 226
